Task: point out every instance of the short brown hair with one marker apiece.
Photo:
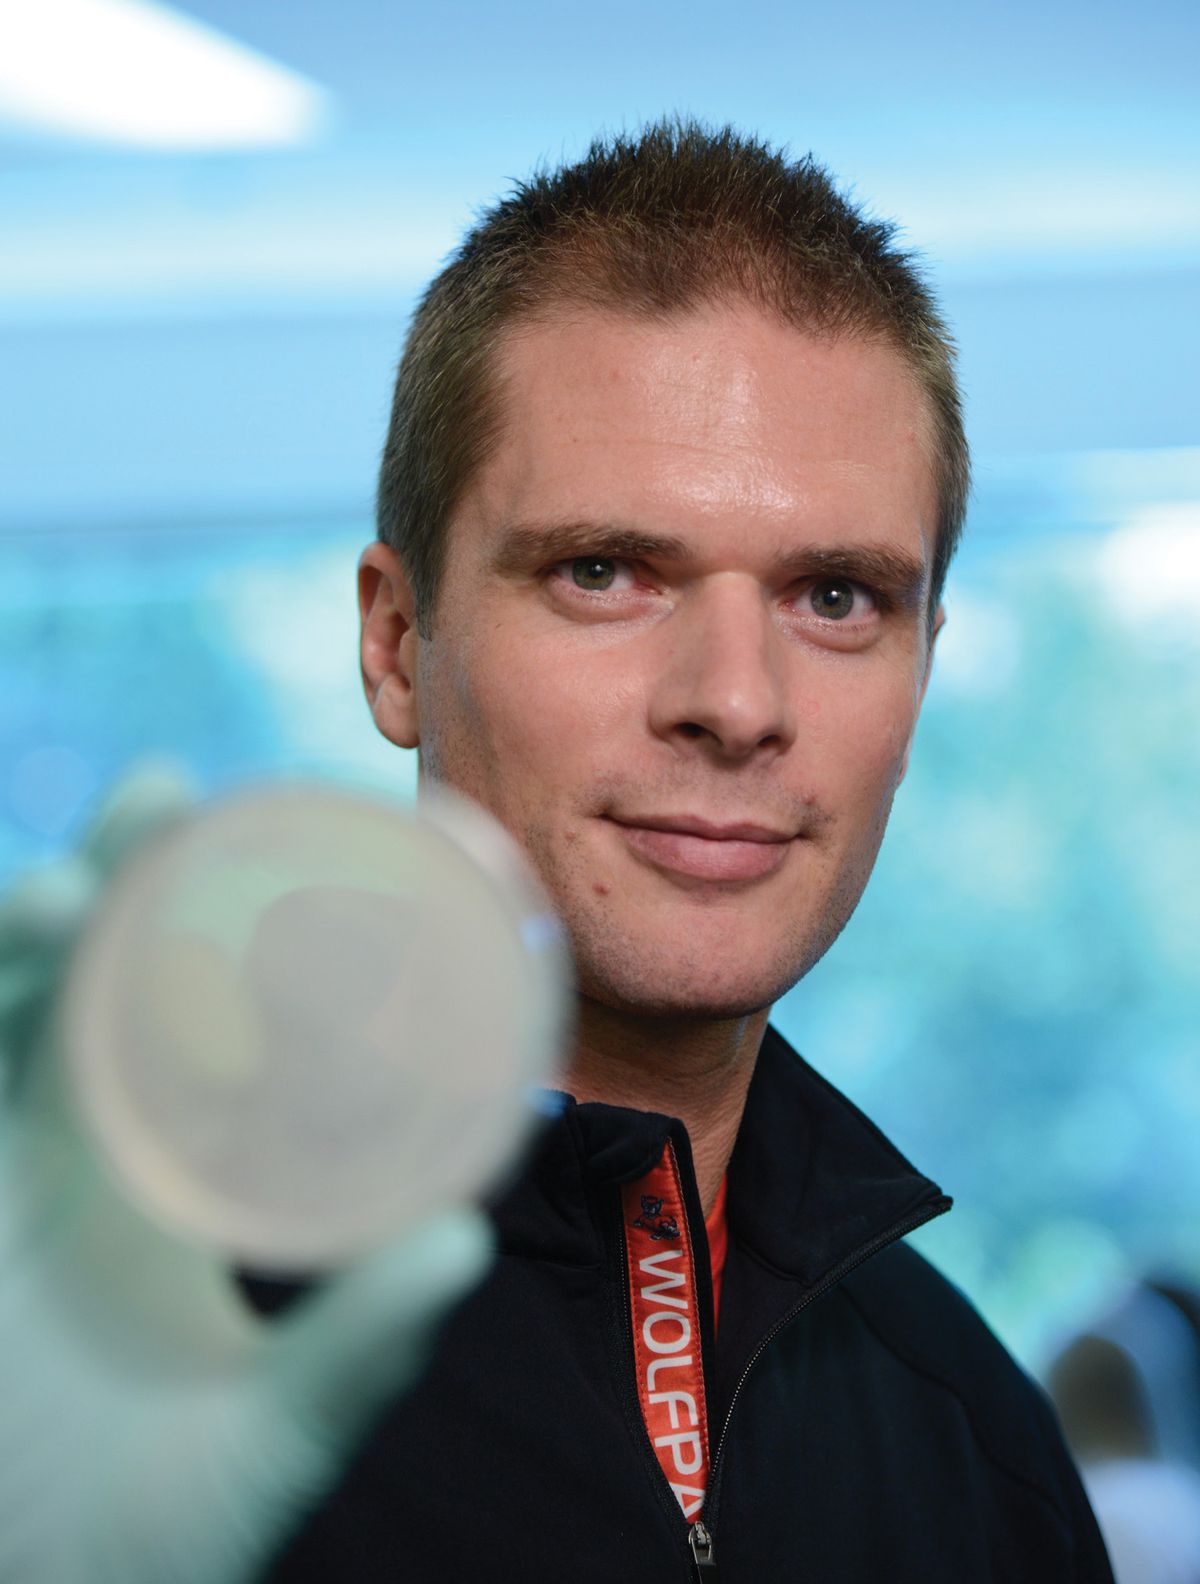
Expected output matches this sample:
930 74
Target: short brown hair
675 217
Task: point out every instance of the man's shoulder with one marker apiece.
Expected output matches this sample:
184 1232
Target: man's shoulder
934 1331
916 1308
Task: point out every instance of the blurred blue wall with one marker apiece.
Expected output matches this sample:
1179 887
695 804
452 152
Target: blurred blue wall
197 356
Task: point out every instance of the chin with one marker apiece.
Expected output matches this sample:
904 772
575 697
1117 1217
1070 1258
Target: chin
665 1009
677 991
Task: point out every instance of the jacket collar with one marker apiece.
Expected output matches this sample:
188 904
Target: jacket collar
812 1181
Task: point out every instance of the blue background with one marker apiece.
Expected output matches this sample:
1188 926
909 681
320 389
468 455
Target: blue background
196 367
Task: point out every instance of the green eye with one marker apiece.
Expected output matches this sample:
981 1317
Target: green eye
833 600
593 572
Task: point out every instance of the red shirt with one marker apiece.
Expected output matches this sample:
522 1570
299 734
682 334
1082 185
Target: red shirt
718 1245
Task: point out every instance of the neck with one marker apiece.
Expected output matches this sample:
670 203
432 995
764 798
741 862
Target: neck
698 1071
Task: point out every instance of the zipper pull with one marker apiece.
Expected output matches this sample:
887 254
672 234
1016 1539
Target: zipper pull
702 1553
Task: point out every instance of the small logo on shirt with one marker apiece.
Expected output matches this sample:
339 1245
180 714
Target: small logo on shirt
652 1220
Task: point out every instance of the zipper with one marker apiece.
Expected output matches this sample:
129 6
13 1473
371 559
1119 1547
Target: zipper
701 1543
837 1274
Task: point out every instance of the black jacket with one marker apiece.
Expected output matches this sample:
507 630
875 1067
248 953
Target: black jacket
865 1424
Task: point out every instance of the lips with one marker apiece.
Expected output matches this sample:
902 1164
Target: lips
700 849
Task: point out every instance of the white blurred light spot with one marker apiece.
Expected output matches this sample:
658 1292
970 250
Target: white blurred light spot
1150 568
298 625
139 73
298 630
48 787
978 648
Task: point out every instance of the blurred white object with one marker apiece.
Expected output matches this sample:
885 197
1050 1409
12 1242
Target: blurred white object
1128 1390
304 1019
1149 1514
138 73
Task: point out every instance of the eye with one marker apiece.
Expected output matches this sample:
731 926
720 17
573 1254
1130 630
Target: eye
595 573
597 587
837 598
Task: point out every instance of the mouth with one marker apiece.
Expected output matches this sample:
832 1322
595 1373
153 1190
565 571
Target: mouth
701 849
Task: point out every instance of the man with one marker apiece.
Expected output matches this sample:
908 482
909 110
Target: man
674 476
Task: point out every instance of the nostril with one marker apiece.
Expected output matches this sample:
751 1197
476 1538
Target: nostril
692 731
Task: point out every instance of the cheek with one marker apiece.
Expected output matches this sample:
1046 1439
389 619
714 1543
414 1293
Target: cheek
509 722
864 743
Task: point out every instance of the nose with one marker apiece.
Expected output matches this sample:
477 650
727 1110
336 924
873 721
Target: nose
723 681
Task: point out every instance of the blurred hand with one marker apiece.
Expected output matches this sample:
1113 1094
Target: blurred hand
153 1431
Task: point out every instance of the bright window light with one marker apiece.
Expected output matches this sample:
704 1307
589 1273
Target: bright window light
141 74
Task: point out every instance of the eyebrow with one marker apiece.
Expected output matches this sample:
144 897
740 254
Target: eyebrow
526 545
896 573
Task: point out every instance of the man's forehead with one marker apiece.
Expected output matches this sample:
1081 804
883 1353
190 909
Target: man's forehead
723 415
739 357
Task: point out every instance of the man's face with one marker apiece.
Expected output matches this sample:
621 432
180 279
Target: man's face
681 641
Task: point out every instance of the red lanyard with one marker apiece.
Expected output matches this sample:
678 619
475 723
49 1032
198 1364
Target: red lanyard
666 1329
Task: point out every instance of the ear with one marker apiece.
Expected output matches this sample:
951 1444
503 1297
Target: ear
389 644
939 619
